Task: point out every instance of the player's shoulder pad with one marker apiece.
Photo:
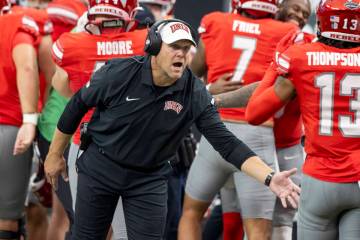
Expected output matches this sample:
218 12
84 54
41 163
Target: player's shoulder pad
63 12
282 27
214 17
42 19
210 19
64 45
71 39
29 26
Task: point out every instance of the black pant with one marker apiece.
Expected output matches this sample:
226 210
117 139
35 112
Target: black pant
144 202
176 188
63 191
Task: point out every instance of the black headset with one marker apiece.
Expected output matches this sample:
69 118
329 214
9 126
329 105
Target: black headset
153 39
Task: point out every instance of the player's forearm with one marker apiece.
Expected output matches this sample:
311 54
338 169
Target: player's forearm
46 63
256 168
235 99
60 82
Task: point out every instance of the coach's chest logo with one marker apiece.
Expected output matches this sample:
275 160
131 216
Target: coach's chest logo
172 105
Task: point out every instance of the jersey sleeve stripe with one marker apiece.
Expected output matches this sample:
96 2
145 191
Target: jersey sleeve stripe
30 23
57 51
283 63
60 12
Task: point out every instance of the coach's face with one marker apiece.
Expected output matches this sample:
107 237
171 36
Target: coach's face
172 58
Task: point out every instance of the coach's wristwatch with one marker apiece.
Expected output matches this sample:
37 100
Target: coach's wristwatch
268 178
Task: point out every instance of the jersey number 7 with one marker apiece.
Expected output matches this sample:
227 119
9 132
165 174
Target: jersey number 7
248 47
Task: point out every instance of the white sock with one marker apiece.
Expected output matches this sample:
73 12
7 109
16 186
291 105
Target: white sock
282 233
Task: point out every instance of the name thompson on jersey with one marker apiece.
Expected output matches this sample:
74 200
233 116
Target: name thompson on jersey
333 59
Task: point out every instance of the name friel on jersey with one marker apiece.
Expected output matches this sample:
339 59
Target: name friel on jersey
240 26
333 59
114 48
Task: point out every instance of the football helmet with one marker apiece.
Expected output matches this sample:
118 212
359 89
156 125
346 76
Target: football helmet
4 6
123 9
339 20
258 8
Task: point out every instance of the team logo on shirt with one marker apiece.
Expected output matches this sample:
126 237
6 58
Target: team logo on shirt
352 5
172 105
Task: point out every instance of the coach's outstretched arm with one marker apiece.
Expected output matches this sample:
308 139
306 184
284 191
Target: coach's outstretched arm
280 183
241 156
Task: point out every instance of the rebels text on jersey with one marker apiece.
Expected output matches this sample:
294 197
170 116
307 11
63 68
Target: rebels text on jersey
239 45
327 82
81 54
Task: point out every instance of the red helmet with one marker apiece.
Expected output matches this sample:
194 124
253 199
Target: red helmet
339 20
259 8
4 6
124 9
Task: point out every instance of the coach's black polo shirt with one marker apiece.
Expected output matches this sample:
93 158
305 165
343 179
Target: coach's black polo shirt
140 126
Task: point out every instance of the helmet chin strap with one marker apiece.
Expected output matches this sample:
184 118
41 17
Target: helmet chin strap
112 26
92 28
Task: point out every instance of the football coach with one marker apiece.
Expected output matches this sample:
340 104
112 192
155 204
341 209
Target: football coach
144 107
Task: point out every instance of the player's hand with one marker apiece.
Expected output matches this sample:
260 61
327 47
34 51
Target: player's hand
223 84
24 138
54 166
285 189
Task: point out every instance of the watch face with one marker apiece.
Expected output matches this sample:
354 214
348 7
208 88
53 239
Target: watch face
268 178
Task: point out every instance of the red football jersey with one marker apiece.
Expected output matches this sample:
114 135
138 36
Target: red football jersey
10 25
45 28
327 82
287 122
239 45
39 15
81 54
64 14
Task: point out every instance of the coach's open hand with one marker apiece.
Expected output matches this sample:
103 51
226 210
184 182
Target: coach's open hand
285 189
54 166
